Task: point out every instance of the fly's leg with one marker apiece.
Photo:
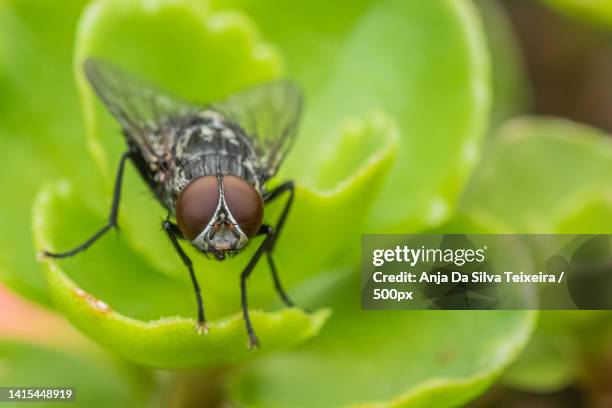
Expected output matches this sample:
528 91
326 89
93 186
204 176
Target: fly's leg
277 283
287 187
174 233
112 219
269 232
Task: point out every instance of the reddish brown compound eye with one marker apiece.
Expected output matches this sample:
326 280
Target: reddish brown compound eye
196 205
244 203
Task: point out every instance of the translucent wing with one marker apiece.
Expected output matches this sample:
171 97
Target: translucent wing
141 109
269 114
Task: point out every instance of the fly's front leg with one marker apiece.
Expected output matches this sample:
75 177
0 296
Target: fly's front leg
112 219
287 187
267 230
174 233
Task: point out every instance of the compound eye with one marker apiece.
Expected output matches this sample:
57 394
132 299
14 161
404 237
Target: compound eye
196 205
244 203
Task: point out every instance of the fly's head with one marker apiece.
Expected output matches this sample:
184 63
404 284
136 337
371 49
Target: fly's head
219 214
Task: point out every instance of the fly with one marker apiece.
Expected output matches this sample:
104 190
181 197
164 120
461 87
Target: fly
207 165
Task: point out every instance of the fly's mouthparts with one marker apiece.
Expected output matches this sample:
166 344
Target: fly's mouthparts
223 235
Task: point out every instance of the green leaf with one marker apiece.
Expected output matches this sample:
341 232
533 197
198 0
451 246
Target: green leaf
97 379
547 175
565 348
148 265
392 56
510 83
540 173
40 129
595 12
550 361
225 53
123 311
387 358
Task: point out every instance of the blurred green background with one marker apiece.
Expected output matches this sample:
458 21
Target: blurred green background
443 115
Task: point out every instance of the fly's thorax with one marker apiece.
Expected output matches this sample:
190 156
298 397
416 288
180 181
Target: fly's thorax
219 214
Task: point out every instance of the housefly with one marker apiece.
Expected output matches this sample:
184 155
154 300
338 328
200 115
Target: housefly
207 165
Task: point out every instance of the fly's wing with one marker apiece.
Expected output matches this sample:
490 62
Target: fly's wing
269 114
141 109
